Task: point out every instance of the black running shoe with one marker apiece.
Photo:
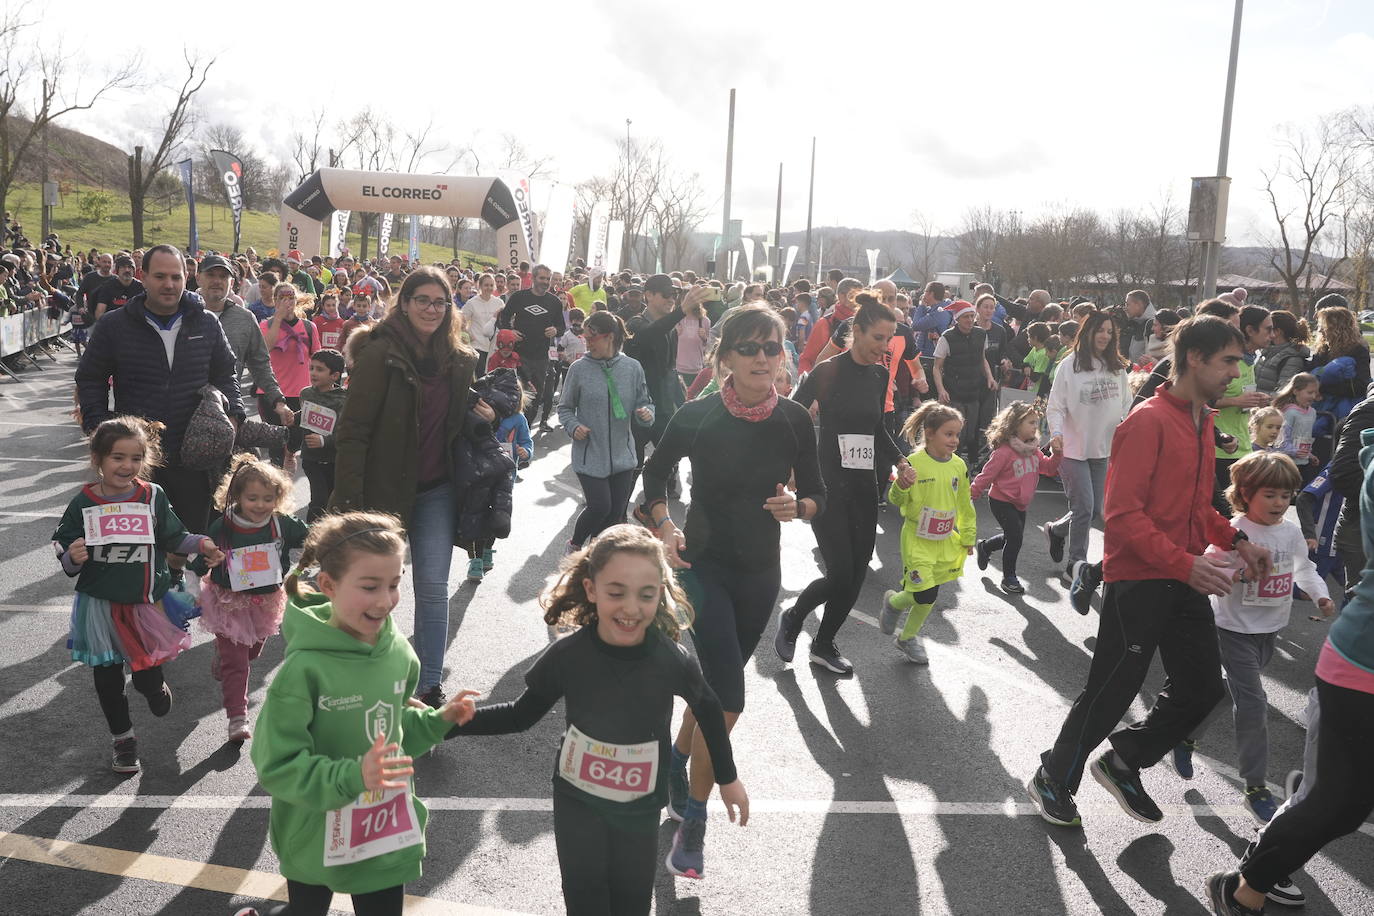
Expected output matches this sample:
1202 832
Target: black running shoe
1053 801
160 703
1013 586
1284 892
1086 577
1220 890
981 549
125 758
1056 544
785 640
1124 785
433 697
829 657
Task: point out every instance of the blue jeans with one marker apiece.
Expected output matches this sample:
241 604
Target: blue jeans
1085 482
432 527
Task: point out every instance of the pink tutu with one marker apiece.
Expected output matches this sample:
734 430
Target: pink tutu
240 617
105 633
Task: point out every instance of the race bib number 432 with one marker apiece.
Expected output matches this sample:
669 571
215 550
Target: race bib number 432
118 523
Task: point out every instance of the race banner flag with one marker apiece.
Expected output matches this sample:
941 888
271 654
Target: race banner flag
791 259
558 228
414 239
185 167
519 187
615 240
338 232
384 236
820 256
598 232
231 173
872 265
734 263
748 245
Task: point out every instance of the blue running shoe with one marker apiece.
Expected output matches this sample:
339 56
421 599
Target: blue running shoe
687 858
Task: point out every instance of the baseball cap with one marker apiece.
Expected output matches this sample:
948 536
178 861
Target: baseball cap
209 262
661 284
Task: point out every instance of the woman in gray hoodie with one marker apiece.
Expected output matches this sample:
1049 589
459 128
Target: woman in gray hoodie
604 393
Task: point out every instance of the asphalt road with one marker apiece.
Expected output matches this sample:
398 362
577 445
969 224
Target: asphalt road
900 790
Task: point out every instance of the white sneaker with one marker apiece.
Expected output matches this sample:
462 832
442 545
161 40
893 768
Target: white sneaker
889 616
914 649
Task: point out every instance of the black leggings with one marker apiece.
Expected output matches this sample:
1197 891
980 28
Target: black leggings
542 381
314 900
320 474
732 609
1013 522
109 689
607 869
607 498
1342 794
845 533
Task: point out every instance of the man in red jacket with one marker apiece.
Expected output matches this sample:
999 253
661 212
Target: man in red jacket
1159 520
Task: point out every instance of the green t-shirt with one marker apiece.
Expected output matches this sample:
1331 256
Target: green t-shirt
1235 421
1036 360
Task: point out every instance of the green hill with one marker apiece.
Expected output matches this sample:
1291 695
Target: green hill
170 225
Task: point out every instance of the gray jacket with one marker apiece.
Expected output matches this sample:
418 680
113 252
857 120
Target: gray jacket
586 401
250 349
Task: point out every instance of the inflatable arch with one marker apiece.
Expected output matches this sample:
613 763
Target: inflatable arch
504 208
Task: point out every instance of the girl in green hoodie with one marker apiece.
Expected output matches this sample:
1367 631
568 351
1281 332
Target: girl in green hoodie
336 737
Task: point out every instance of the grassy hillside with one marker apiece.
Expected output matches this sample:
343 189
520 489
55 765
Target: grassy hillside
160 225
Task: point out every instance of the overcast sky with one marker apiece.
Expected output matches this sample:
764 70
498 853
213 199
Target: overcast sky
929 106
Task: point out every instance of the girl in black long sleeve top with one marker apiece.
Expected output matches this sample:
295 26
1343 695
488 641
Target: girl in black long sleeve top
619 674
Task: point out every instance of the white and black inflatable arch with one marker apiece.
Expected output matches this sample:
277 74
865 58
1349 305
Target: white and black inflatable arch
504 208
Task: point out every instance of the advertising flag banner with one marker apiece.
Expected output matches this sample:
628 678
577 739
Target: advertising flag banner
384 235
338 232
615 240
734 263
519 187
414 239
820 256
872 265
185 168
231 174
598 235
748 245
791 259
558 227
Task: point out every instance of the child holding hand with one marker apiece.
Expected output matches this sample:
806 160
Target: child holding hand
1009 478
337 736
939 525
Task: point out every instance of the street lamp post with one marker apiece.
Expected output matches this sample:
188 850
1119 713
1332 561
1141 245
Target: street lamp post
1211 250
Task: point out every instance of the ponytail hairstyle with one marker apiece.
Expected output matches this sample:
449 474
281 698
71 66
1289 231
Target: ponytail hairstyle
606 323
1288 394
871 310
1295 329
1003 427
334 540
929 417
148 432
246 468
566 603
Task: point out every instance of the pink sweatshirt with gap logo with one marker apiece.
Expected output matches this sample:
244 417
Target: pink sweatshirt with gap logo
1012 472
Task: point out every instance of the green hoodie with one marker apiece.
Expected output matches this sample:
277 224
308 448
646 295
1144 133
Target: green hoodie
317 723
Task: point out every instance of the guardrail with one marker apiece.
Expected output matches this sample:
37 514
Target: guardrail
20 334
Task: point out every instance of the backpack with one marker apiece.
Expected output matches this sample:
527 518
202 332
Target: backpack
209 438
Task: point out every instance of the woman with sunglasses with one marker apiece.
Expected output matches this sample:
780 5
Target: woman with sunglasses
604 394
743 444
407 400
851 392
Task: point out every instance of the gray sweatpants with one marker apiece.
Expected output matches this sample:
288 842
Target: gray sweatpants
1243 657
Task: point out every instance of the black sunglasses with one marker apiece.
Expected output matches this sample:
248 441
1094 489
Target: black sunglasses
770 348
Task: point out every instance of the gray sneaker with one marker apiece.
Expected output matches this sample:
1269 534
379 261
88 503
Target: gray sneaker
687 858
125 755
914 650
889 616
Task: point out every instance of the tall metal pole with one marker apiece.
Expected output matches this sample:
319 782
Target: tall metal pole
46 221
1211 252
625 248
725 241
810 200
777 231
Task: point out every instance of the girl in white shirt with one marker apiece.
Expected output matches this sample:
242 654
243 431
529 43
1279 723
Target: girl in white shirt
479 314
1089 398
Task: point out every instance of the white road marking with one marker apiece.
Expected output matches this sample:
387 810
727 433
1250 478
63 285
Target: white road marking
42 460
36 608
222 879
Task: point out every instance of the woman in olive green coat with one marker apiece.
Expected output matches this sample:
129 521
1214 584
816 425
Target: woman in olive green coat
407 398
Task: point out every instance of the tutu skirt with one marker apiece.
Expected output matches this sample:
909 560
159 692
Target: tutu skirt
139 635
240 617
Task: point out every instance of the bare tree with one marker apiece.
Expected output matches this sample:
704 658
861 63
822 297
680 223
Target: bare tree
37 87
677 211
1308 193
306 146
980 240
923 244
143 173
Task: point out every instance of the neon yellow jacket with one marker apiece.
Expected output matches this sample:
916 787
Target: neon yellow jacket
583 296
941 486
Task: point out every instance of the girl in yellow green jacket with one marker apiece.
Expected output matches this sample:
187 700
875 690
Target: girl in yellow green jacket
939 527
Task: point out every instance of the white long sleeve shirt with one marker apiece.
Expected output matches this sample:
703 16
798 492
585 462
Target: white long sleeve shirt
1264 607
480 315
1085 408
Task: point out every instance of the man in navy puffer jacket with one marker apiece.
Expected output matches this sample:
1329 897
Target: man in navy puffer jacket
160 349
